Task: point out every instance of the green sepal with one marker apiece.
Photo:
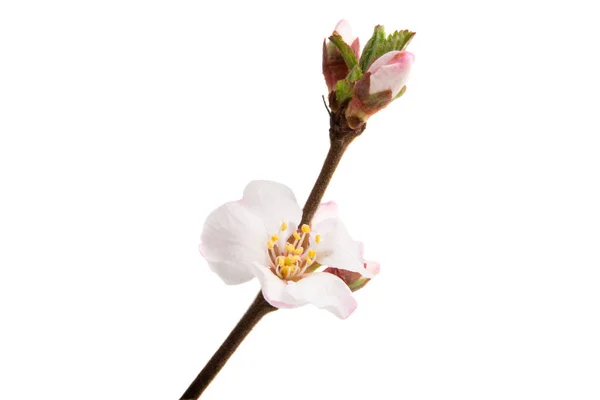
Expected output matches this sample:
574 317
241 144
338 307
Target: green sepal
371 48
358 284
355 74
400 93
343 90
344 49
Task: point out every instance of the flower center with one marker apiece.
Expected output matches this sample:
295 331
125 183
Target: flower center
291 258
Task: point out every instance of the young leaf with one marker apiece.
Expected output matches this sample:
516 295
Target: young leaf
344 49
372 48
355 74
396 41
343 90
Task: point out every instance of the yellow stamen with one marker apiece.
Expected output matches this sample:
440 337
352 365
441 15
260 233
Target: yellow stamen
312 253
299 250
290 248
318 239
274 238
305 228
284 226
308 261
281 261
270 244
296 235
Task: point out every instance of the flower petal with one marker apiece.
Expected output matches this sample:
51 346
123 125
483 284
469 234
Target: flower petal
233 237
372 267
325 211
384 60
273 288
273 203
337 248
230 273
344 29
324 291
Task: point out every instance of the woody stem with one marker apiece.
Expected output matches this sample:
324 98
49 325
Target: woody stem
334 156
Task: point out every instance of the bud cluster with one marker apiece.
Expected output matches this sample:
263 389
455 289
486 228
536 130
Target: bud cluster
361 86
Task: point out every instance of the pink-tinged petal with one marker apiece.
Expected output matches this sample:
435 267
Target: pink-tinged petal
355 46
273 203
321 289
274 289
337 248
385 59
390 72
324 291
372 267
344 29
325 211
232 238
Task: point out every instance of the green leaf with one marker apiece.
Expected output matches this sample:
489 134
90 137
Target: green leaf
343 90
396 41
345 49
372 47
379 44
355 74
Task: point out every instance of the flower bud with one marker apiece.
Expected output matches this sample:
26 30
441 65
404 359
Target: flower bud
354 280
334 66
384 81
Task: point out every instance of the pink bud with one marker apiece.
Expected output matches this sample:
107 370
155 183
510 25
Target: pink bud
390 72
334 66
384 80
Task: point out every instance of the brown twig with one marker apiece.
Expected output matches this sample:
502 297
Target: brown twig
340 137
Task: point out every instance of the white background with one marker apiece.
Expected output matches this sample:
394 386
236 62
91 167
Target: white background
124 123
